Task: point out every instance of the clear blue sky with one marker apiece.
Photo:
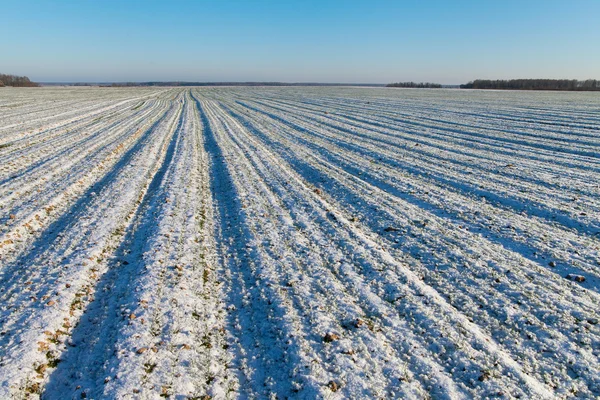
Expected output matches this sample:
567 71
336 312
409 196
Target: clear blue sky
299 41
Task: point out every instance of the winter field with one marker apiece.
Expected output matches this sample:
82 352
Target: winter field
299 243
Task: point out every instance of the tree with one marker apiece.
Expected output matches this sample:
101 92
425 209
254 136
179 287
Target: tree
533 84
421 85
17 81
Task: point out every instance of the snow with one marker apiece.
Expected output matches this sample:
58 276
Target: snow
299 243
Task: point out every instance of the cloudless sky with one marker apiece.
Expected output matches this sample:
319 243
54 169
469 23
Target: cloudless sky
299 41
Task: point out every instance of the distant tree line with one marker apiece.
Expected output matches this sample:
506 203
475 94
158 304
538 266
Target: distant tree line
534 84
16 81
121 84
180 83
422 85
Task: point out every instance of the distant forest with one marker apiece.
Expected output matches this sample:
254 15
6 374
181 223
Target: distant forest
421 85
16 81
534 84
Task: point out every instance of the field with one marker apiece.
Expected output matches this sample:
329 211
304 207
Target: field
299 243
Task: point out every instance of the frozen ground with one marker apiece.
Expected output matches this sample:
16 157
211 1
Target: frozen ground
299 243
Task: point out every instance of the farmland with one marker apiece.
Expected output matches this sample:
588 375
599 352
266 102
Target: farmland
299 243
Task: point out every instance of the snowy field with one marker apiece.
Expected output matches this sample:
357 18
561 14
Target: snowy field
299 243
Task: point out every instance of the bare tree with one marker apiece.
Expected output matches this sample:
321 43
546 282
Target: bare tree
16 81
534 84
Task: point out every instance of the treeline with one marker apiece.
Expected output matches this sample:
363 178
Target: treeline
534 84
180 83
16 81
422 85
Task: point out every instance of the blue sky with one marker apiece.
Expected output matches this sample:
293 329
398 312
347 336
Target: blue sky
299 41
